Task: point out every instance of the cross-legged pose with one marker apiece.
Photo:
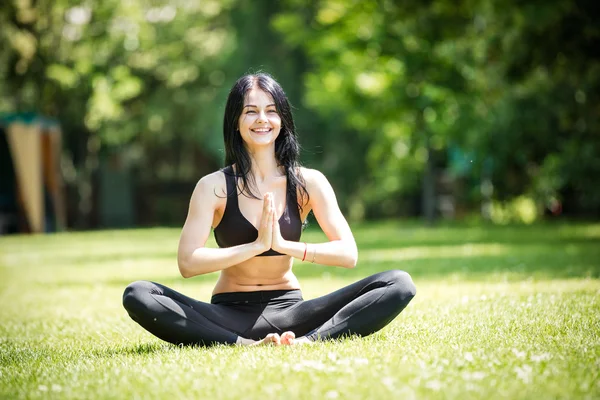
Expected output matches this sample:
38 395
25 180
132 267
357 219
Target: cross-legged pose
256 206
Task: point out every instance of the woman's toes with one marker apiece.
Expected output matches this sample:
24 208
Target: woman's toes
288 338
273 338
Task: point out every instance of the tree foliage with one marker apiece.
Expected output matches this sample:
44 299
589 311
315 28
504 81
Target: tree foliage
512 85
387 94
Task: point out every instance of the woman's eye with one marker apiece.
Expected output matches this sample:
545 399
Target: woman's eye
272 111
250 112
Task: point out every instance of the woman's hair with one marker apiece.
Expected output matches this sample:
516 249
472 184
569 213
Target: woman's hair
287 147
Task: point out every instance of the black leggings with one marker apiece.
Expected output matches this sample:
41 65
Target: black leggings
361 308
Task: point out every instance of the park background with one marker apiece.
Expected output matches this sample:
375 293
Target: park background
436 109
461 138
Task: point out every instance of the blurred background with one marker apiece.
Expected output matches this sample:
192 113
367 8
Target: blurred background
484 110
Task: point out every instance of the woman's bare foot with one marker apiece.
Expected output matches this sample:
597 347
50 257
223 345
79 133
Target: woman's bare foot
288 338
271 338
303 340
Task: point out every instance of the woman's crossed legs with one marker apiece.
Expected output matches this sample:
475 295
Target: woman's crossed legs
361 308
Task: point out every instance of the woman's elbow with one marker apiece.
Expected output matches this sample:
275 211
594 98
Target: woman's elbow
352 258
184 271
352 262
184 268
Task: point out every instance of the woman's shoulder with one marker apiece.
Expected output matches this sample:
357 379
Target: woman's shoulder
312 176
213 182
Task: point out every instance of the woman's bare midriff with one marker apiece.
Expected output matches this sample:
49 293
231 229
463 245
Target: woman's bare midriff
258 273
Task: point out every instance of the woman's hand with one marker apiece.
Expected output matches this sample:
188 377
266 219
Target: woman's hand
265 229
277 240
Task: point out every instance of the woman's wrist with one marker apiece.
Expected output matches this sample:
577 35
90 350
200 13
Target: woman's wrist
300 250
258 248
283 247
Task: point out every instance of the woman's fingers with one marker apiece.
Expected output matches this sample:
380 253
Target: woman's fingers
266 204
272 212
265 213
265 228
272 206
268 209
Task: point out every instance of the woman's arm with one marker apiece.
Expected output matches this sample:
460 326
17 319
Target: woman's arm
341 249
195 259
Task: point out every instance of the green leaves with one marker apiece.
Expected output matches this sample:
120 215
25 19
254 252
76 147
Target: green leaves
66 77
480 75
379 87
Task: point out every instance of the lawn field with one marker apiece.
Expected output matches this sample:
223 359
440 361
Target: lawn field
501 312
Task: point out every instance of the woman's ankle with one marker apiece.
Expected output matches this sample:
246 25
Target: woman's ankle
244 342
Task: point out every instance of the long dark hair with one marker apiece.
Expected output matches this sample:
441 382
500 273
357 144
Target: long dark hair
287 147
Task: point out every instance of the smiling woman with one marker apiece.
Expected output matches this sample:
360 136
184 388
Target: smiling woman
256 206
259 122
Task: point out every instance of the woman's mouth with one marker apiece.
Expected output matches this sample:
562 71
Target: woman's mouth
261 131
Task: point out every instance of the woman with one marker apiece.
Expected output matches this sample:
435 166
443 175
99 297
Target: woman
256 206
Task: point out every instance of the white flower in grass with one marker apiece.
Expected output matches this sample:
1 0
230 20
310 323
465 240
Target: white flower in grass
273 388
434 385
332 394
358 361
518 354
388 381
474 376
469 357
524 373
56 388
43 388
540 357
310 364
352 361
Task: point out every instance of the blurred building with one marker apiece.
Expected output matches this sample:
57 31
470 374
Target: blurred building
31 184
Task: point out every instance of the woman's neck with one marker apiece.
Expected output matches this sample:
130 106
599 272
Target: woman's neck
264 164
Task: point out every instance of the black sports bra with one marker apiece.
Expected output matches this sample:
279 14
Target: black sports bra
234 229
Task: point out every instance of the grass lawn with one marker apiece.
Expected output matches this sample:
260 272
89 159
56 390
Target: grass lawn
500 312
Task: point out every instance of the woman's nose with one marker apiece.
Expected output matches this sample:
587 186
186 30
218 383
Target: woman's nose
262 116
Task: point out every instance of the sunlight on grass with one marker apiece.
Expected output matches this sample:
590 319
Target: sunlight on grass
413 253
509 312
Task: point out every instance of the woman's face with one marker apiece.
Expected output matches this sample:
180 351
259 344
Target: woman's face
259 122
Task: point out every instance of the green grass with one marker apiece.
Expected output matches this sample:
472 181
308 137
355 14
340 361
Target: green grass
501 312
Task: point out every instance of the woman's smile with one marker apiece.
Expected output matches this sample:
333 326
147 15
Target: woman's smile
261 131
259 123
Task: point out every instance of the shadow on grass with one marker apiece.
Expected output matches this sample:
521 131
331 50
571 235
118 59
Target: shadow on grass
364 244
543 251
143 349
390 235
138 349
513 263
480 268
385 243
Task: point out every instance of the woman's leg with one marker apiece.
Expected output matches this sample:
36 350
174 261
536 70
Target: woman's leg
179 319
361 308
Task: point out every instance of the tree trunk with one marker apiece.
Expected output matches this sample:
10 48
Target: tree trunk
428 195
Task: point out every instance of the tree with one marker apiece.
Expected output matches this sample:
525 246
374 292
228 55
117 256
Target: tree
509 83
132 76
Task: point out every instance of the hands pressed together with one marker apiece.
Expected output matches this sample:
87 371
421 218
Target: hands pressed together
269 235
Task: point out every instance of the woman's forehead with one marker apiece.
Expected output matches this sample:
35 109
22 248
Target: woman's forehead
257 96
